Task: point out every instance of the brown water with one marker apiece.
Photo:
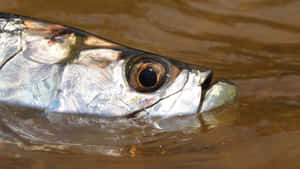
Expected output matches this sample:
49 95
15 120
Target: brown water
254 43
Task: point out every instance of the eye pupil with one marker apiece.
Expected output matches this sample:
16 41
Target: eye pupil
148 77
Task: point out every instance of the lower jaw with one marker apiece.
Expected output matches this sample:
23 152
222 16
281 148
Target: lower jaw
217 94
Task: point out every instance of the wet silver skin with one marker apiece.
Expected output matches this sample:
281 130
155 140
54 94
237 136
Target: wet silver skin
61 69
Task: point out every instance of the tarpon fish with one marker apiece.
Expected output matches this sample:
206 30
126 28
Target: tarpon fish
60 69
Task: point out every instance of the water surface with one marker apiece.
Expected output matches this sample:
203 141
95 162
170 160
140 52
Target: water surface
254 43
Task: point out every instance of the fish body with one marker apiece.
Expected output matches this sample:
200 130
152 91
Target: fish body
61 69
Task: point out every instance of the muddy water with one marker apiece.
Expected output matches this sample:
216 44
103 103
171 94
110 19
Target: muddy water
254 43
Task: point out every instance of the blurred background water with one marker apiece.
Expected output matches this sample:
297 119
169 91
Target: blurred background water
254 43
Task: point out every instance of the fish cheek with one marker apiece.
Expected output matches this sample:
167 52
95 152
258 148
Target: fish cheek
155 102
183 102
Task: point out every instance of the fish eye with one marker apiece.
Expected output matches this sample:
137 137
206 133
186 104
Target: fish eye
147 77
146 74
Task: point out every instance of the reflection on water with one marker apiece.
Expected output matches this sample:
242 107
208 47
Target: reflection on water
254 43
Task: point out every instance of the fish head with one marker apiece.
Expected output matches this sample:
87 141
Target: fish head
62 69
108 79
